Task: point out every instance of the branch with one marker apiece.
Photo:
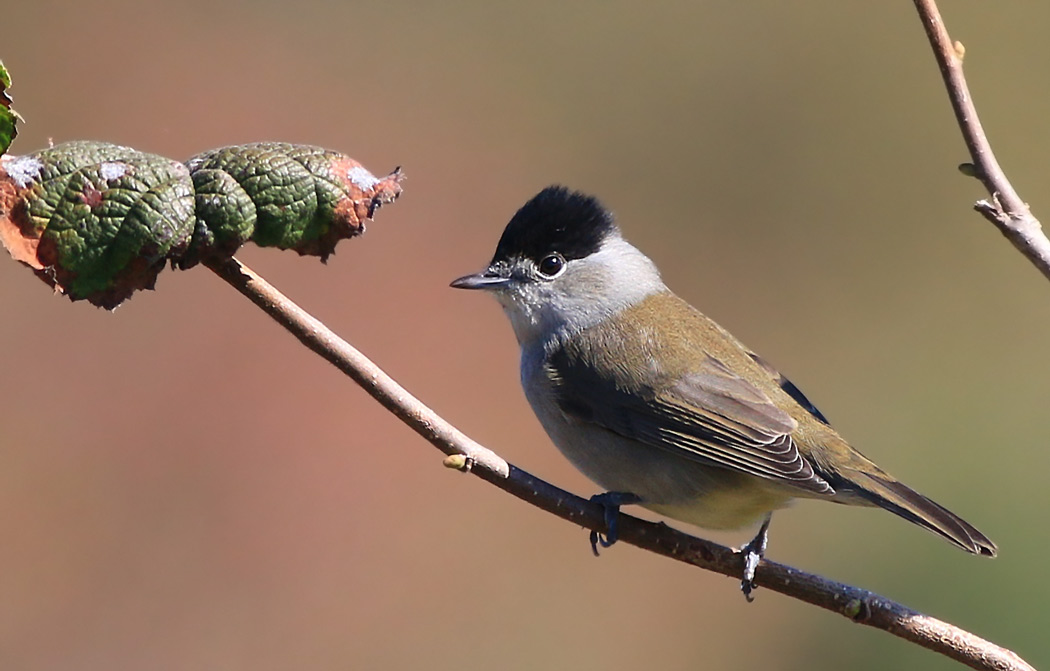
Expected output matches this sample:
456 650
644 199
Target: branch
465 454
1006 209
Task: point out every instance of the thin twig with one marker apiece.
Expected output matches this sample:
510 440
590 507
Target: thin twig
1005 209
859 605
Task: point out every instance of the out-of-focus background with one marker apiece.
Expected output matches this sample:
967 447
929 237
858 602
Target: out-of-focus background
183 486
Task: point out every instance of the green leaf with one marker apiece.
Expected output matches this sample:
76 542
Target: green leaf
99 222
8 117
282 195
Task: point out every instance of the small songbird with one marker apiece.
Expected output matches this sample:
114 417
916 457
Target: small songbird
660 405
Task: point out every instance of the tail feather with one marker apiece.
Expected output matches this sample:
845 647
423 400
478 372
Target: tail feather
900 499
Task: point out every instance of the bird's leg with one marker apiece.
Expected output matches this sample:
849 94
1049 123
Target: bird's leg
610 502
753 553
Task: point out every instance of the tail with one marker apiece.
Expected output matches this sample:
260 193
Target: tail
885 492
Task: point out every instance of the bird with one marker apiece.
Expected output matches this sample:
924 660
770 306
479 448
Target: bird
658 404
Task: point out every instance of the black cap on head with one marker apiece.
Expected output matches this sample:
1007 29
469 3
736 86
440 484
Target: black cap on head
556 220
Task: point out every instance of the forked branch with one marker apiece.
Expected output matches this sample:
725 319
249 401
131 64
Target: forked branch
1005 209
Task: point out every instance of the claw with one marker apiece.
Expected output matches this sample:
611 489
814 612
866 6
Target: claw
610 502
753 553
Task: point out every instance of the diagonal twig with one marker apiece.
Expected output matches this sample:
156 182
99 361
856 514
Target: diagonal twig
1005 209
857 604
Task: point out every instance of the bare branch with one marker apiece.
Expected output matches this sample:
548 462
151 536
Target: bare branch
859 605
1005 209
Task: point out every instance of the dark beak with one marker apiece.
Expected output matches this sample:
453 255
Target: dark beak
483 280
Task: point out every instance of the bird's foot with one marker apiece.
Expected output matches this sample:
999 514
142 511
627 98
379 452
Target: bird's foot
610 502
753 553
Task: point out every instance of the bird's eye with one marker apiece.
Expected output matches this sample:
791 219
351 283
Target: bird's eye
552 264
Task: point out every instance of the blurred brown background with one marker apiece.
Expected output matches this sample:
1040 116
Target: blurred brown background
182 486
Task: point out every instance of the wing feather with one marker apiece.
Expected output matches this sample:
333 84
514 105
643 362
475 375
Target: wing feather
711 415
